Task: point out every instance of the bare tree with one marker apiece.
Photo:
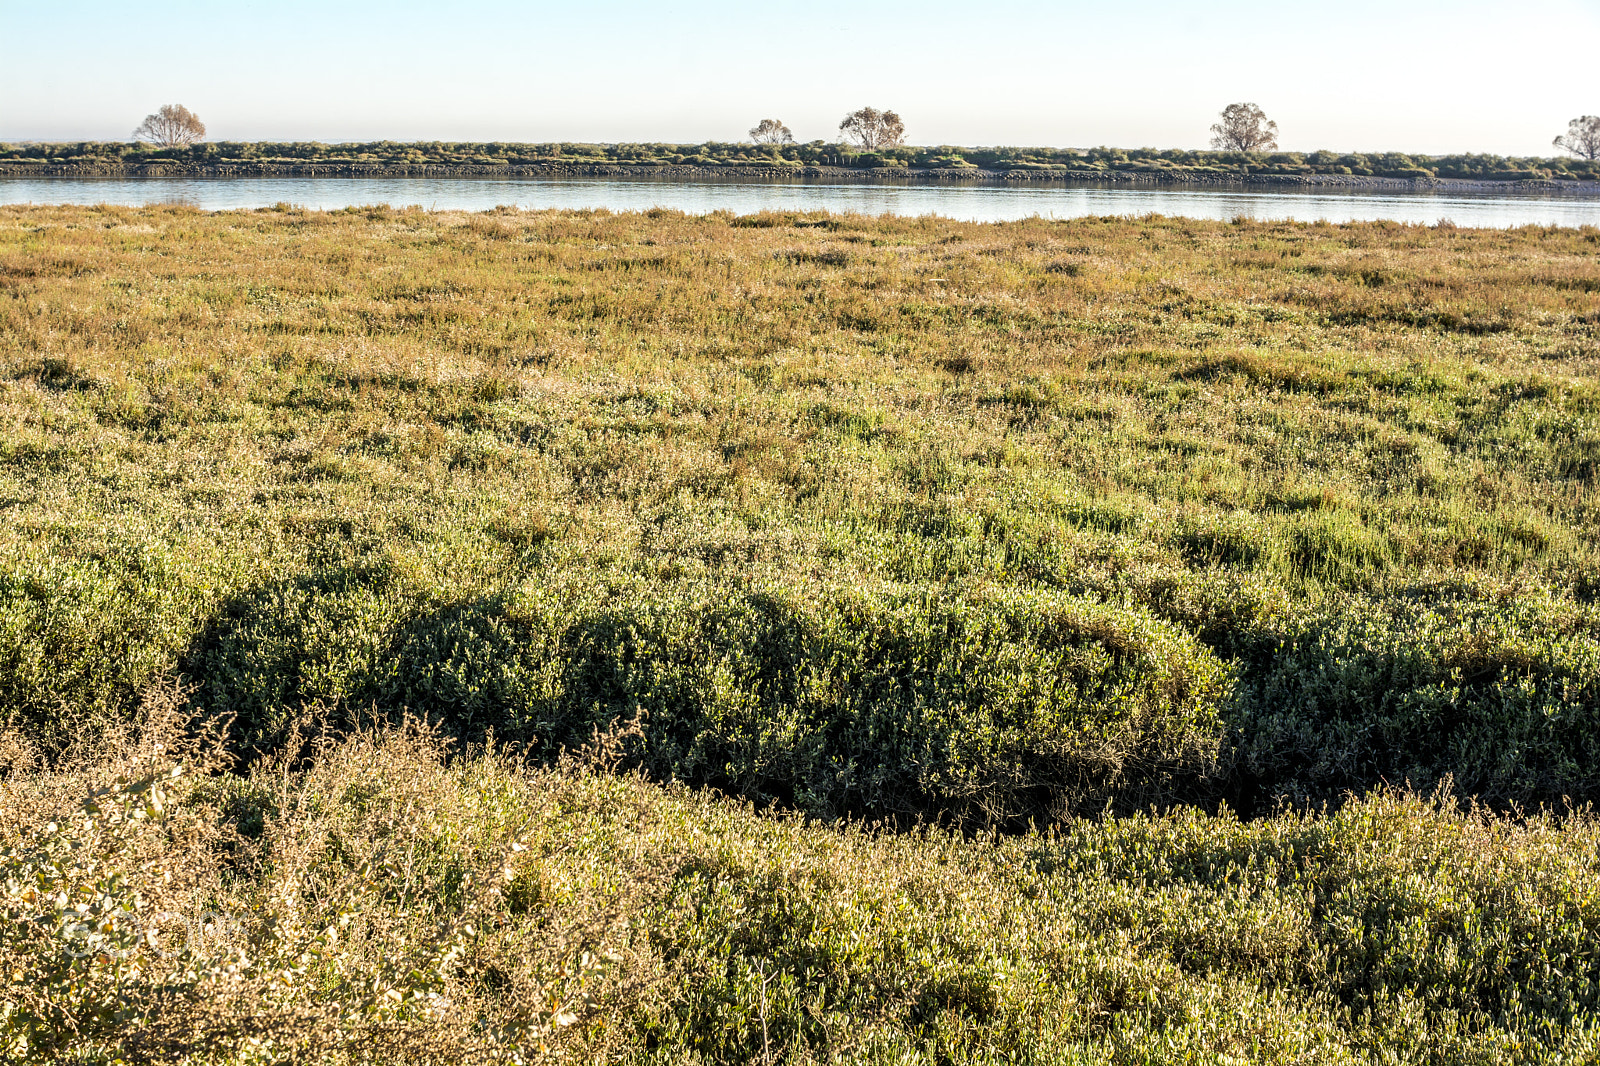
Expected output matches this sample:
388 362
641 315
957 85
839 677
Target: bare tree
771 131
1583 137
1244 128
873 129
174 126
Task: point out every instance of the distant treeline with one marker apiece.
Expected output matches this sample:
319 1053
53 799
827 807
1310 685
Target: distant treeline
1177 162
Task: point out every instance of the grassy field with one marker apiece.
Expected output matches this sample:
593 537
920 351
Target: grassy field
979 526
1175 164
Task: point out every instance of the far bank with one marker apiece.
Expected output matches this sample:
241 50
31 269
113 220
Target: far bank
810 162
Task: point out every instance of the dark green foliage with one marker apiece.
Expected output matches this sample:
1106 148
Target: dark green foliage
994 704
988 705
1498 691
81 636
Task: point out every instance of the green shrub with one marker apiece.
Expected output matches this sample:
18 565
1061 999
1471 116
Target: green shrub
1175 163
991 705
1499 693
82 635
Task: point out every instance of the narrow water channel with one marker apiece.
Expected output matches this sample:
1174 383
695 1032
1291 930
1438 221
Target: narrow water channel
982 202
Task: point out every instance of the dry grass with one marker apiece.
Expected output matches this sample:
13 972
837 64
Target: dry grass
375 904
581 370
371 905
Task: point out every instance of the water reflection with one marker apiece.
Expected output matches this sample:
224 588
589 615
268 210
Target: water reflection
984 202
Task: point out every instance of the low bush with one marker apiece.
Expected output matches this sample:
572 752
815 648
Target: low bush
993 705
1496 693
355 911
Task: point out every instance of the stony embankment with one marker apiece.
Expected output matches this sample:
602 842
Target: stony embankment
1151 176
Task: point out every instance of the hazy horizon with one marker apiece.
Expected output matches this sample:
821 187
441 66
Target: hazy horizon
1430 78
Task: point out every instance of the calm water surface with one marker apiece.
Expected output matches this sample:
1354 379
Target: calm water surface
976 202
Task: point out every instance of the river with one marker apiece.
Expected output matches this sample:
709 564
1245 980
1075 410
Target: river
983 202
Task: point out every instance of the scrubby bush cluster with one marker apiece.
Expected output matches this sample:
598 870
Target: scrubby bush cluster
373 903
371 906
1173 163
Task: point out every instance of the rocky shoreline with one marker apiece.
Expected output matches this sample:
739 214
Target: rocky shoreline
880 175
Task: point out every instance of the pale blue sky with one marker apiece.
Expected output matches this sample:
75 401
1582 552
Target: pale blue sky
1423 75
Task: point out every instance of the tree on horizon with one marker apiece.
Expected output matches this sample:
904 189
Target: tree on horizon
174 126
1582 138
873 130
1244 128
771 131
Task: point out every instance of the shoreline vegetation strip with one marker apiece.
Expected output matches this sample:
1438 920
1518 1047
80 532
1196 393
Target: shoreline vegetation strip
815 160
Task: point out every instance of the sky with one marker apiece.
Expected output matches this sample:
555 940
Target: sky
1357 75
